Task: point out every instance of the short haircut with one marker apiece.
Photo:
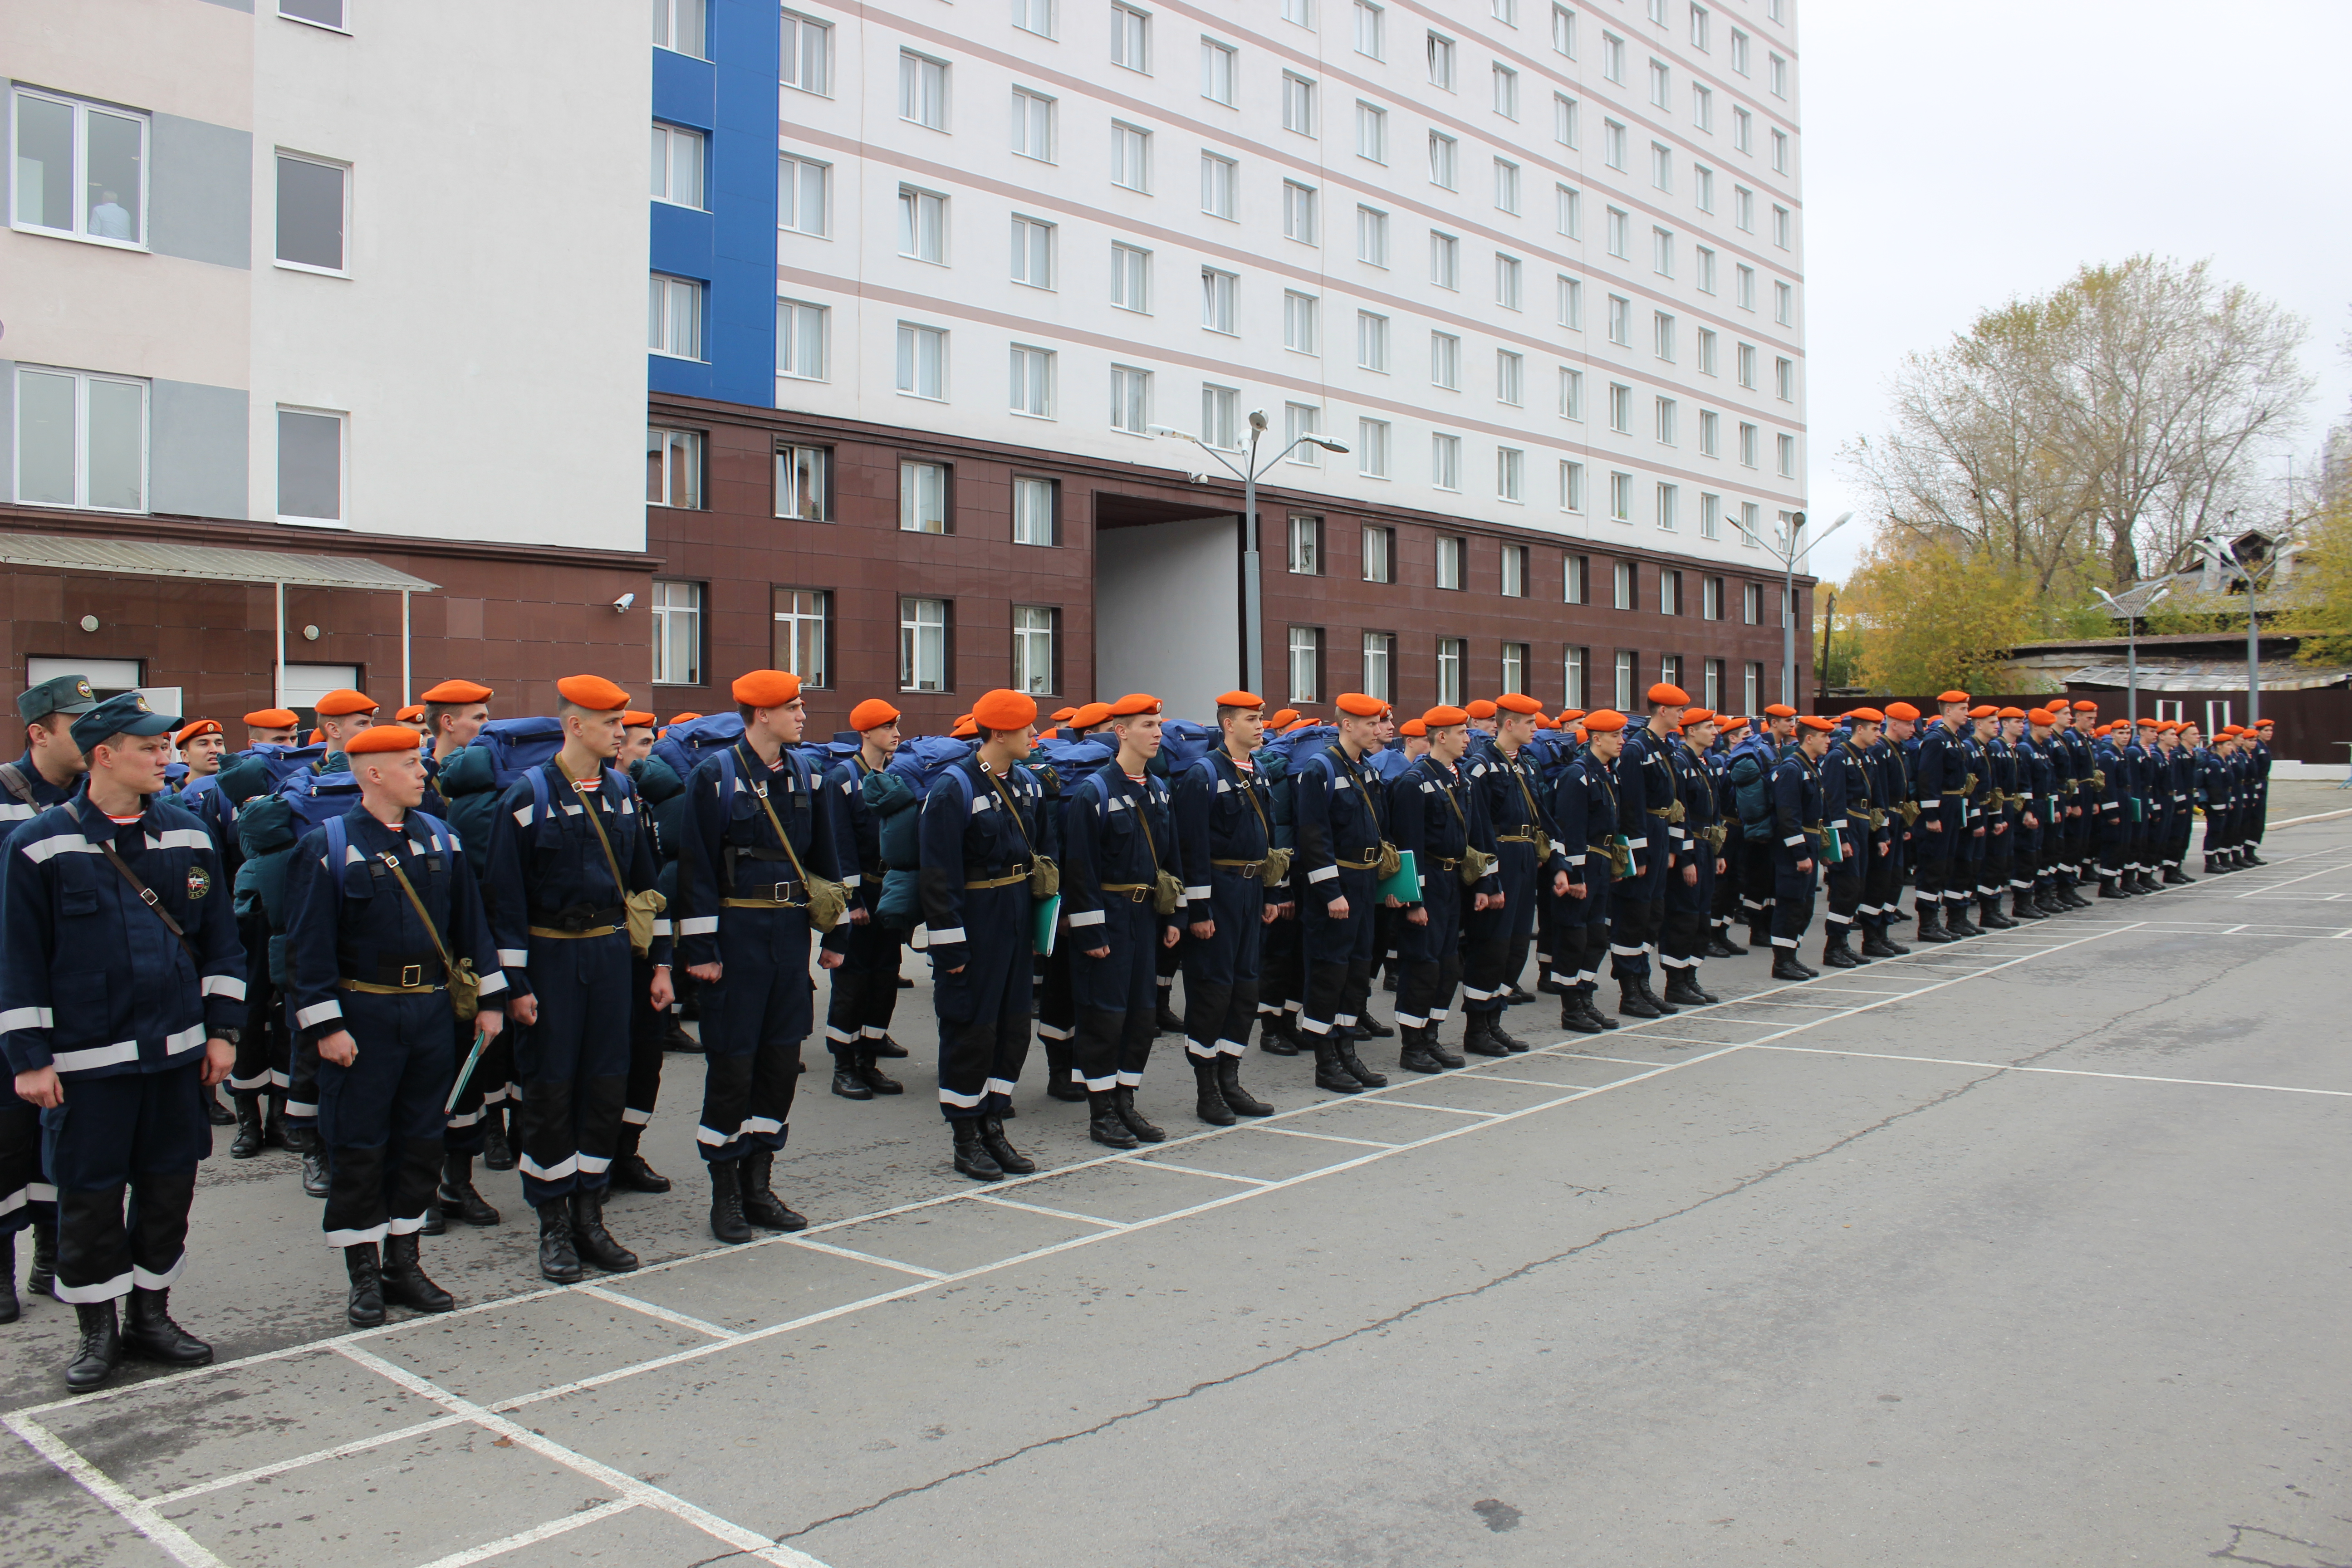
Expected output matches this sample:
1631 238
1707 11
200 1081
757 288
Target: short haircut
745 711
986 735
436 711
1226 714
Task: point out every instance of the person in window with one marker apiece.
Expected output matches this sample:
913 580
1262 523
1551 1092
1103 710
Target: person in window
110 219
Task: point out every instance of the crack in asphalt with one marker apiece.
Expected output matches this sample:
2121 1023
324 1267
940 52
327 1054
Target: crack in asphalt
1297 1353
2238 1533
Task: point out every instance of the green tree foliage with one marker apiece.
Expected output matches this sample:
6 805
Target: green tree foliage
1935 616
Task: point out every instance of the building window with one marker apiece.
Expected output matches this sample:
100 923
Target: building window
1130 399
1625 584
922 90
1130 279
1661 84
1571 394
1372 237
1707 343
1754 685
1621 497
1669 602
1780 151
1034 512
673 468
1034 16
1445 161
676 167
1514 666
81 171
1748 445
1379 554
922 225
1130 38
1299 422
1661 167
81 440
1661 335
1444 261
310 212
1784 304
1576 580
1370 30
1703 116
802 617
805 483
1506 185
1372 132
1787 445
1451 551
1510 377
1781 227
1571 485
678 24
1445 462
1621 320
806 58
1746 363
1032 252
1670 670
1221 417
1032 125
1621 408
678 633
1371 342
310 466
1515 570
1507 90
1664 414
1784 379
1307 546
1751 604
801 189
1743 208
1219 178
1217 301
1507 272
1372 448
1450 658
922 644
1441 61
1217 72
1710 594
1710 427
1613 144
1297 104
1299 13
800 339
1445 361
1032 390
1380 666
674 318
1130 157
1568 218
1578 661
1563 31
1711 696
1510 474
1306 664
922 361
1033 641
1298 212
922 497
1743 131
1628 672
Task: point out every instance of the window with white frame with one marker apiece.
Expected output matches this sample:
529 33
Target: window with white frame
1711 696
1379 554
1298 103
678 633
1506 185
1787 446
1371 342
1445 462
1514 666
1372 237
1621 408
1033 648
1130 157
1612 58
1699 29
1661 335
802 187
1510 475
1780 151
1452 553
1306 545
1444 261
1781 227
1034 16
1702 107
1572 393
1510 377
1621 234
1130 278
1219 310
1710 526
1034 512
1217 72
922 225
922 90
1130 399
1661 252
1564 118
1784 304
1743 131
1669 519
1710 437
1298 420
1568 205
674 317
1621 320
1130 38
1753 685
1032 252
1571 485
1576 580
1451 656
1621 497
1032 391
1613 144
1372 448
1032 125
1507 91
1745 294
1298 212
1371 131
1221 417
1746 360
1663 421
1568 300
673 468
312 213
801 332
805 483
1306 664
1505 12
1706 347
1627 676
922 361
1445 361
806 59
1220 178
1563 31
679 26
1747 445
312 465
1299 333
1371 29
1299 13
1739 51
1445 161
922 497
1574 666
1380 666
81 440
1784 379
922 644
801 636
1749 521
1703 268
80 170
1507 271
1441 61
1662 166
676 165
1777 75
1661 84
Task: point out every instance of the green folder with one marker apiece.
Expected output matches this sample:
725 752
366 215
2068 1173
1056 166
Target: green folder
1405 886
1045 920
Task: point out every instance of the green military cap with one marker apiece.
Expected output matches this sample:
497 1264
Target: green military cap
58 694
126 713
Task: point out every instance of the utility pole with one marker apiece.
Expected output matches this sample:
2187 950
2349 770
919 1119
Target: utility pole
1821 665
1788 556
2131 647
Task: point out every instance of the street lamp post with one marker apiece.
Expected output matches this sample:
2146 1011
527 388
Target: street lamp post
2131 647
1788 556
1252 620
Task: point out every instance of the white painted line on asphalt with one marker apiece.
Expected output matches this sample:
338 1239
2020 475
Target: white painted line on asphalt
636 1492
1196 1171
2288 882
2062 1072
142 1517
1455 1110
1332 1137
664 1313
341 1450
802 1240
994 1202
595 1513
1536 1082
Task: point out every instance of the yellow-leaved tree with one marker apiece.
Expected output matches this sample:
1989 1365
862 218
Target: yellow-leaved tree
1931 617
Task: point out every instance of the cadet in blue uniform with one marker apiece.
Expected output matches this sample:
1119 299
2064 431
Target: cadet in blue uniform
1848 777
984 839
1690 886
2081 802
1750 774
1434 813
2116 806
1585 805
48 774
1282 981
1529 872
370 985
653 1032
1944 782
559 884
865 992
1342 837
1896 800
1234 887
1801 806
122 984
1732 849
2257 742
1652 823
759 832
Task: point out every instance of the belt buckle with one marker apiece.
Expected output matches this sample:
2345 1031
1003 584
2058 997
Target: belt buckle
411 975
777 892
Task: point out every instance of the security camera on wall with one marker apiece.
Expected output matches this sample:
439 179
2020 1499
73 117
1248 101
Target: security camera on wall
623 602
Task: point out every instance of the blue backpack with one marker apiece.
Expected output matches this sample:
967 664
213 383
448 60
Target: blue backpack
1388 762
1058 761
515 746
259 770
1299 745
684 745
1185 742
921 760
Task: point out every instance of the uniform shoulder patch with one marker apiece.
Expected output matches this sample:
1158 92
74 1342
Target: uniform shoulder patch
200 881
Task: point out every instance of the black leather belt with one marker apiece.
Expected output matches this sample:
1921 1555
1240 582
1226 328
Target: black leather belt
581 918
405 970
785 892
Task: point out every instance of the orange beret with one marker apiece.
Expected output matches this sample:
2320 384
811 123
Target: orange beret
1693 717
873 714
271 719
1092 714
459 691
2265 723
1238 699
342 703
1903 710
1953 697
2041 716
1004 710
2011 713
1286 716
1360 706
1867 716
2086 707
1570 715
1413 727
1816 722
317 736
593 692
201 727
1604 720
1517 703
2149 723
1664 696
765 688
1737 722
965 729
1061 716
1780 710
414 710
684 718
384 738
636 721
1133 704
1982 711
1479 708
1443 717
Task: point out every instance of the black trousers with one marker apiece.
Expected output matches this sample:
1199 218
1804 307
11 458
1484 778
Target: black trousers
1221 974
1881 887
865 992
1756 884
1494 941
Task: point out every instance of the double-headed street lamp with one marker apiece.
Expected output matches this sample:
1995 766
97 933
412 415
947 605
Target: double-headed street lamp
1789 555
1252 635
2131 646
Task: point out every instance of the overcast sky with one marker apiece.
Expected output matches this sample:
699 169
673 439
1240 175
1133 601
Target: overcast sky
1956 156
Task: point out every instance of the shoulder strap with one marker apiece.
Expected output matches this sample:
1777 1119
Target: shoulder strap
1249 792
539 810
338 840
588 810
783 838
13 779
147 897
440 948
1019 826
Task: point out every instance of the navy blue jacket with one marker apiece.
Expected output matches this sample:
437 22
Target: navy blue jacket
1114 830
545 863
728 844
1336 803
967 836
1223 812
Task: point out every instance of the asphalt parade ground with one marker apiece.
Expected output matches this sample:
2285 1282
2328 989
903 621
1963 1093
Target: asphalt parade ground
2031 1248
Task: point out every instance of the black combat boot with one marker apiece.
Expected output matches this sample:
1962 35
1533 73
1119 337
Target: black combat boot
1371 1028
1517 996
273 1120
1584 999
874 1078
149 1332
457 1198
559 1259
1484 1037
846 1080
1011 1161
41 1280
301 1134
1488 1024
1277 1033
1345 1044
1210 1106
1786 967
314 1172
1877 943
498 1146
1955 920
1665 1008
1683 990
1329 1072
1931 925
2107 888
630 1174
1632 1004
1414 1053
1721 945
590 1240
1239 1101
971 1157
100 1348
2251 857
1578 1018
1835 953
1988 914
1169 1024
250 1139
365 1306
406 1283
1122 1099
884 1046
760 1205
2022 907
1104 1124
1060 1083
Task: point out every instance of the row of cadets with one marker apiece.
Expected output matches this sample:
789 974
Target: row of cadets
1234 888
1436 817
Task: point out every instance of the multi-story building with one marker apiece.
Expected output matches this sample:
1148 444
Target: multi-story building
1533 265
320 346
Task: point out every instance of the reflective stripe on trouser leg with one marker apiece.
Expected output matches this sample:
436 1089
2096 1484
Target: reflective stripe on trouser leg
753 1021
574 1064
983 1011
